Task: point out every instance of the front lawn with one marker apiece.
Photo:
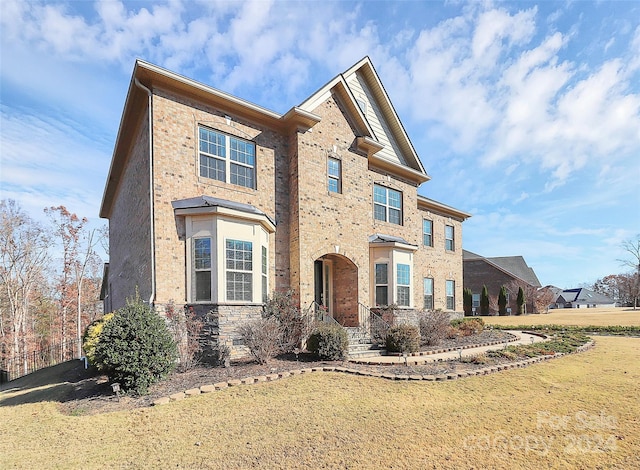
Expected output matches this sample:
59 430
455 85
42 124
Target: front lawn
580 411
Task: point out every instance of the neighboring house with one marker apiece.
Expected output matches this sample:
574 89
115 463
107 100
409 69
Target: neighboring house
216 202
581 298
495 273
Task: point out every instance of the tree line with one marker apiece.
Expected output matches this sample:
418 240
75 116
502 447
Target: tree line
624 288
50 280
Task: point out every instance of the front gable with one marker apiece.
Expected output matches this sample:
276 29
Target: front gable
379 132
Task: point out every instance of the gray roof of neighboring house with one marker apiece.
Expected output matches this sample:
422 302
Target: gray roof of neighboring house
514 265
584 295
208 201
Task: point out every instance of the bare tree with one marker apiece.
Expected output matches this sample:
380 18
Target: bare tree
78 254
633 248
23 257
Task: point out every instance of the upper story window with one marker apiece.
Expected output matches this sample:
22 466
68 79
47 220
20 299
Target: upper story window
227 158
448 238
427 232
334 170
387 204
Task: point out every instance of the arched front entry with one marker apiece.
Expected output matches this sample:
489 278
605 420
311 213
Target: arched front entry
336 287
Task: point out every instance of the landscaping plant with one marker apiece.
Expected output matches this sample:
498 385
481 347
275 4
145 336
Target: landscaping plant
91 338
467 301
262 338
520 301
136 348
329 342
484 301
502 301
403 339
294 323
434 327
186 328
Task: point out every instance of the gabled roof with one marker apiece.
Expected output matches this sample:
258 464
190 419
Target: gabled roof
368 139
151 76
147 76
515 266
584 295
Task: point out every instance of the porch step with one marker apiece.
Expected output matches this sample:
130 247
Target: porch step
358 336
365 350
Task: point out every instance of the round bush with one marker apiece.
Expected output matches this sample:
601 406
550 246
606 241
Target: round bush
403 338
92 336
136 348
329 342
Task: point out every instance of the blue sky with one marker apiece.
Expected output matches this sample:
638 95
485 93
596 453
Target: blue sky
525 115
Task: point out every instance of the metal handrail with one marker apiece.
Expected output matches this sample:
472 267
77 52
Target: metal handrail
320 313
368 319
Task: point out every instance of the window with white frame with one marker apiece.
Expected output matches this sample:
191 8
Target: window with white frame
226 158
265 277
475 300
450 292
239 270
334 181
427 232
448 238
403 285
202 268
428 293
382 284
387 204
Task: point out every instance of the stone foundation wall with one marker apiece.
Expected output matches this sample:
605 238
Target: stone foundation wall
411 316
221 324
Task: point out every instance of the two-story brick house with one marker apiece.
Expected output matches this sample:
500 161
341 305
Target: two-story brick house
216 202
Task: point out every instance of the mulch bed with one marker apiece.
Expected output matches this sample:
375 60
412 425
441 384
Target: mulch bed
92 392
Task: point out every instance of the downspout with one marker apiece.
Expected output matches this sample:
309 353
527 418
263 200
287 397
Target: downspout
152 298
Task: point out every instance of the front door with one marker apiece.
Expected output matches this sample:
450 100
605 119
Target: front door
323 284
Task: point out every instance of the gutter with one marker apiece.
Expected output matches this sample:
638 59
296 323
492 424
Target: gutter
152 297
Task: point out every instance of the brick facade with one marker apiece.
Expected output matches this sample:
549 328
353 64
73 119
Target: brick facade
312 224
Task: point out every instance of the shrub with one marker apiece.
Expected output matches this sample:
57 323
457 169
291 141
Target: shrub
520 300
294 324
502 301
136 348
470 326
379 329
467 301
186 328
91 338
484 301
403 339
329 342
262 337
434 327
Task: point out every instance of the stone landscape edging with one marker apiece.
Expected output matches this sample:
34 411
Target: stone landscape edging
439 351
406 377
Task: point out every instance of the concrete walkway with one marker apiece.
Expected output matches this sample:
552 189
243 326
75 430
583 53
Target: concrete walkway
423 358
